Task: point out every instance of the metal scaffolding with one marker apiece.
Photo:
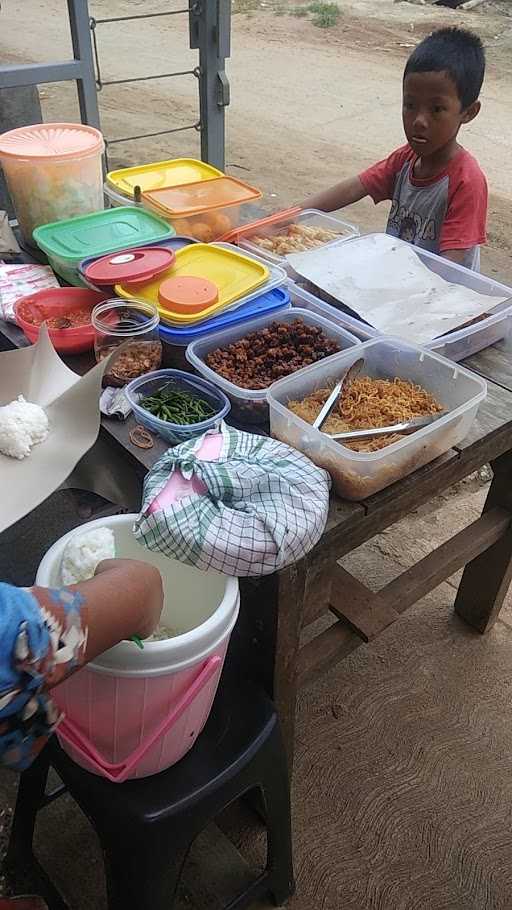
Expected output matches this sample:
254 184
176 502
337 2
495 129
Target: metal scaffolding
210 35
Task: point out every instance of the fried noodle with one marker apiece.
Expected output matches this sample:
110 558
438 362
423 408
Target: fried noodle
367 404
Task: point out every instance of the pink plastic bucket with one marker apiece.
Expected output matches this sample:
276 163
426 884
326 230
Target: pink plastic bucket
133 713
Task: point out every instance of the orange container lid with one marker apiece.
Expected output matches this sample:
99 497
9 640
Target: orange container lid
249 228
187 294
51 140
192 198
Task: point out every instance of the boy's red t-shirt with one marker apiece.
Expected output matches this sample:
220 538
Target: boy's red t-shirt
445 212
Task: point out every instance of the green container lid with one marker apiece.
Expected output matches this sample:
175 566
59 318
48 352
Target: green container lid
101 232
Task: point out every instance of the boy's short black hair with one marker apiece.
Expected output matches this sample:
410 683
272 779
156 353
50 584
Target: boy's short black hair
457 51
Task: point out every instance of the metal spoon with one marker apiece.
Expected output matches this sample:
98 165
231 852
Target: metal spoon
347 377
406 427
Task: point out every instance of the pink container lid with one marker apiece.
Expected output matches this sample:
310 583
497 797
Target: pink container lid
129 266
51 140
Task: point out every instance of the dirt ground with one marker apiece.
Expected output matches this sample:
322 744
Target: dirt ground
309 105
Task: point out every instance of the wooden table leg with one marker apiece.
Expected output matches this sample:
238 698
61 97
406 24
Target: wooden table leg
291 591
487 578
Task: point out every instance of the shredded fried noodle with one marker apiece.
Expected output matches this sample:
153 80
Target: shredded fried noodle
367 404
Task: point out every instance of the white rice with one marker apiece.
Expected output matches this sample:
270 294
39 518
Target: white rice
84 552
22 425
162 632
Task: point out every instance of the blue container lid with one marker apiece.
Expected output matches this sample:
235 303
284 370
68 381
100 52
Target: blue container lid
278 299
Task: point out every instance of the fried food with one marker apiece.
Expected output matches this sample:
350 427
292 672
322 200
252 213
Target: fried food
296 238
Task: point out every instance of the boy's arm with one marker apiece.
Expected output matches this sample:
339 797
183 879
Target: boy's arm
377 181
337 197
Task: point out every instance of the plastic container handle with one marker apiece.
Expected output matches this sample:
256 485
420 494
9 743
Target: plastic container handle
117 773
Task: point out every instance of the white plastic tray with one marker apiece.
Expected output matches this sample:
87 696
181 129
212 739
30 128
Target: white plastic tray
249 405
357 475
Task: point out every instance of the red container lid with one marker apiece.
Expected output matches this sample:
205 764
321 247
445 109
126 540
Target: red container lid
187 294
130 266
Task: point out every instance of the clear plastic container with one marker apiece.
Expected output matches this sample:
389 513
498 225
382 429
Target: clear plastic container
204 210
310 218
496 325
460 343
53 171
118 321
116 200
250 405
183 382
357 475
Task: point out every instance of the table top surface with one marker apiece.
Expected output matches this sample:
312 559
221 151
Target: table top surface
490 436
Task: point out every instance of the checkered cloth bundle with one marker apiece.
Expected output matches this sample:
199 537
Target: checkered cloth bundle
265 507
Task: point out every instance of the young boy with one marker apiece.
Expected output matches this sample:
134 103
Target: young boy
437 189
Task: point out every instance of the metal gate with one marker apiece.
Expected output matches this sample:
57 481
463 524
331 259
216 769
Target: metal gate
210 35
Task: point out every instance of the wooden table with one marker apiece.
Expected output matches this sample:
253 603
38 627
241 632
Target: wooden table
276 609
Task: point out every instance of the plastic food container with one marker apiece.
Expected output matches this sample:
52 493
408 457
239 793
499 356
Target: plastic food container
159 174
204 210
67 243
58 303
357 475
53 171
469 339
276 224
172 243
118 321
183 382
149 706
248 405
465 342
176 340
116 200
234 275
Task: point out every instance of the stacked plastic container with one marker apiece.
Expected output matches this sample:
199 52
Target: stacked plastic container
122 185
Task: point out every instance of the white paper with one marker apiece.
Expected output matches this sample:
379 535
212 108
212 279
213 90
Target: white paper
383 280
71 403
